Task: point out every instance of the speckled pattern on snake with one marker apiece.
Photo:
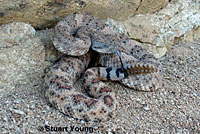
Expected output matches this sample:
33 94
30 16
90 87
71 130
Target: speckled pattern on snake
89 50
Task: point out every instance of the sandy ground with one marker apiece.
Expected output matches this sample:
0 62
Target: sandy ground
174 108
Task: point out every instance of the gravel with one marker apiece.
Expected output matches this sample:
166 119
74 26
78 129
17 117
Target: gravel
174 108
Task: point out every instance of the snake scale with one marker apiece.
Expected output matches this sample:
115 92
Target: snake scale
89 49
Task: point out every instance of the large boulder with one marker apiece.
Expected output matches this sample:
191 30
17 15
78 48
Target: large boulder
179 21
43 13
22 56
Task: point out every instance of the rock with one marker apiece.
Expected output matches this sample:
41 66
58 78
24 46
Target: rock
150 6
44 13
17 111
146 108
141 28
21 56
118 28
45 36
158 52
177 22
191 35
153 49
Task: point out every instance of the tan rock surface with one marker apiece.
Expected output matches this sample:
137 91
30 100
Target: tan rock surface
150 6
45 36
21 57
46 12
178 21
192 35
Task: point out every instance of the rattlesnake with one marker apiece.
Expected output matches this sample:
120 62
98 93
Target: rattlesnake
86 42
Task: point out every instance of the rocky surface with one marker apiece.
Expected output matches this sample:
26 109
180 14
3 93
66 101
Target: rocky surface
178 21
45 36
44 13
150 6
174 108
157 24
24 53
21 57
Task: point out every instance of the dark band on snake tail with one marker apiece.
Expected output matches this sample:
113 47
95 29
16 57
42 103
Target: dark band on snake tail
121 70
112 73
108 70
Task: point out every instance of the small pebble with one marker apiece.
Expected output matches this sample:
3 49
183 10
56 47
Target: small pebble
17 111
17 101
146 108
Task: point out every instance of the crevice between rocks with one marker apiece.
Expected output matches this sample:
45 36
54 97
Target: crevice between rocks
136 10
138 40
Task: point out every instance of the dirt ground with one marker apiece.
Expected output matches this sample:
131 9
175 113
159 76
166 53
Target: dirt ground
174 108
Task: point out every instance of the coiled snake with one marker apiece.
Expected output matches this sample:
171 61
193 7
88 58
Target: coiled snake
89 47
